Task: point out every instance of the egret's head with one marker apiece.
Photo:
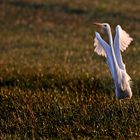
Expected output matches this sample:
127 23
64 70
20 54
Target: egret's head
105 27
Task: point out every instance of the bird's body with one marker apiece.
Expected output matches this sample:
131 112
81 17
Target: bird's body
112 52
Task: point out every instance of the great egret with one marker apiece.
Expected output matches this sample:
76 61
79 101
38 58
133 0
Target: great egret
112 52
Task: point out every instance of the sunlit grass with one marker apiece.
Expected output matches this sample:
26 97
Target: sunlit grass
53 85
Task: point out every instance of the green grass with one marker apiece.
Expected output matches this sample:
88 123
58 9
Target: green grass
52 84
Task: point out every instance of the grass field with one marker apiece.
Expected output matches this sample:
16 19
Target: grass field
52 84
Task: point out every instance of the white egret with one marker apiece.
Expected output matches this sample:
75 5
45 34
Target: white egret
112 52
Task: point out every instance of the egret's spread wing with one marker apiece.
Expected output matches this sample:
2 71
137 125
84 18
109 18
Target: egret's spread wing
99 49
121 42
104 49
123 38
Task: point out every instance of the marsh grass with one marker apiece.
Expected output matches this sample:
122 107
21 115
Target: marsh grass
52 84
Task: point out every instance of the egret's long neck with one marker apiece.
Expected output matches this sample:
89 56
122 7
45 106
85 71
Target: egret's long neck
112 50
110 37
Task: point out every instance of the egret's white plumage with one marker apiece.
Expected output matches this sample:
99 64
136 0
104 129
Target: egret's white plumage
112 52
98 48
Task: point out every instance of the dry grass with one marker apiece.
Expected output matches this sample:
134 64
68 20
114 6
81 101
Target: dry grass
53 85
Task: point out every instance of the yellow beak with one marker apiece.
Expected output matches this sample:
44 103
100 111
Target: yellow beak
98 24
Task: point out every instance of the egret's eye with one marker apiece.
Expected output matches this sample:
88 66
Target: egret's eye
105 25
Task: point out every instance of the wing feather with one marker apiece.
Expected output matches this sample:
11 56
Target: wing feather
102 48
121 42
98 47
124 38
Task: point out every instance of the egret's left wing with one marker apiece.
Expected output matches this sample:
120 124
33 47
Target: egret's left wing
102 48
98 47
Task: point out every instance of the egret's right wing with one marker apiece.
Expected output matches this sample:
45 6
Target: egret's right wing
122 38
121 42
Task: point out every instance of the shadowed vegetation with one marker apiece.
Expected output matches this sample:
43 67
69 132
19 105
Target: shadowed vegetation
52 84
